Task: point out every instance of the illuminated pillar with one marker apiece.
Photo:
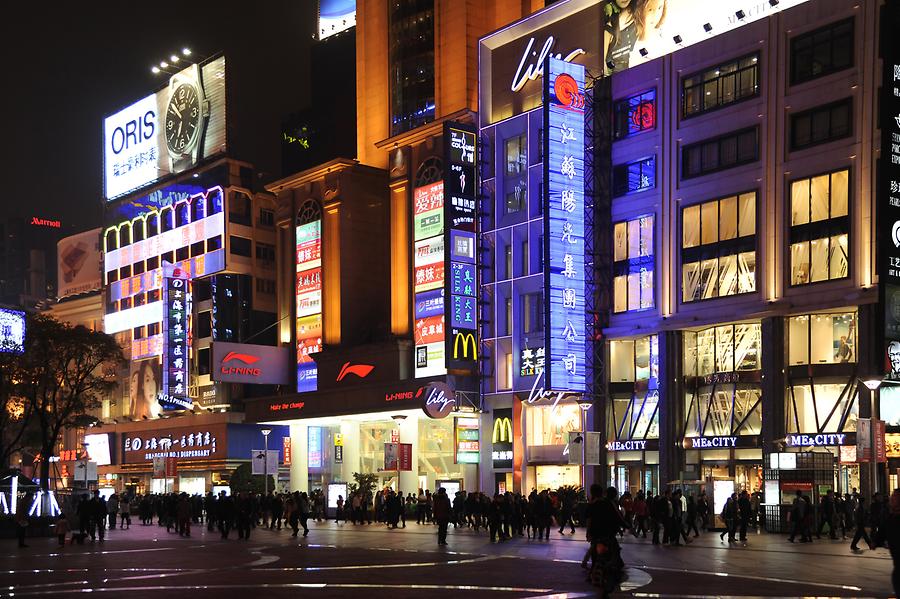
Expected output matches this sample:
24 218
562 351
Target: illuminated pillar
299 457
352 441
331 273
409 433
400 250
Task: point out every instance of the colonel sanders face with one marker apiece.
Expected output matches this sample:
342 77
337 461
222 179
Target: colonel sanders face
893 352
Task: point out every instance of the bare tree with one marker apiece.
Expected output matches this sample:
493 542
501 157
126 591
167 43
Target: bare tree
65 373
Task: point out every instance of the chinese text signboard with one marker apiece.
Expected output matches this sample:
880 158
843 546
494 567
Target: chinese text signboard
176 341
462 281
428 273
468 440
309 302
564 226
204 442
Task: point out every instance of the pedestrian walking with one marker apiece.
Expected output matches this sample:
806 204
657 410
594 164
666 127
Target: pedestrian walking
729 515
441 511
892 536
124 512
797 515
112 510
61 529
745 511
860 519
22 517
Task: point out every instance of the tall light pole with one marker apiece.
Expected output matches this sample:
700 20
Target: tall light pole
585 404
265 433
872 384
398 418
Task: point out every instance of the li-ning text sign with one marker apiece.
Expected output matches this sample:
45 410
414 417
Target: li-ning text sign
564 226
254 364
176 344
166 132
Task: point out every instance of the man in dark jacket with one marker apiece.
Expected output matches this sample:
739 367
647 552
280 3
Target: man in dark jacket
744 513
828 512
441 513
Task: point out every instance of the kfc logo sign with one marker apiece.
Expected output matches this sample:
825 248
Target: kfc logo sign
245 359
254 364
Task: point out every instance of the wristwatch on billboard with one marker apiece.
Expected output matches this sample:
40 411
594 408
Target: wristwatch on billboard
185 116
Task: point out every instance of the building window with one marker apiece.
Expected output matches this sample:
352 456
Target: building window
265 286
265 255
634 114
821 124
726 151
631 177
718 248
820 228
822 52
516 155
720 86
821 408
633 265
204 324
634 359
411 51
203 356
516 198
266 218
239 208
240 246
828 338
532 312
726 348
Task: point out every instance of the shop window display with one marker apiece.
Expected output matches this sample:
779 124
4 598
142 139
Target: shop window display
829 338
726 348
820 228
718 248
634 359
550 425
822 408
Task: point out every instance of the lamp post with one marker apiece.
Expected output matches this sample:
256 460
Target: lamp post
398 418
872 384
585 404
265 433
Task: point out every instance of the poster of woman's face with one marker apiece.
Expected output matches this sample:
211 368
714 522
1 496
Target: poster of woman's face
144 389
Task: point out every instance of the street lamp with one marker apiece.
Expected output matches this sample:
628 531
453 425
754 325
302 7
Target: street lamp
872 384
585 404
265 433
398 418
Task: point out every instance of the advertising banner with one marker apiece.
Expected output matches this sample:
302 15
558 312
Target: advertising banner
264 462
166 132
254 364
564 227
198 442
78 264
144 385
428 211
395 451
98 447
336 16
502 439
888 200
12 331
468 440
309 302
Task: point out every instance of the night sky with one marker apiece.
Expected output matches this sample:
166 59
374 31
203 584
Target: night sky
69 64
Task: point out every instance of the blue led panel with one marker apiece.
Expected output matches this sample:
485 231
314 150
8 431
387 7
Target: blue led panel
564 226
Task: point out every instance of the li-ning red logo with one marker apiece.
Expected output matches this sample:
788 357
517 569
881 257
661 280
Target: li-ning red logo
360 370
246 359
566 90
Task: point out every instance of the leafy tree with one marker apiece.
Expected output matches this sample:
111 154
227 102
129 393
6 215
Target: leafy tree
17 428
365 482
243 479
65 372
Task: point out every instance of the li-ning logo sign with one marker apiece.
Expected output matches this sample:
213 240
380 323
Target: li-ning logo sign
535 68
502 432
360 370
246 359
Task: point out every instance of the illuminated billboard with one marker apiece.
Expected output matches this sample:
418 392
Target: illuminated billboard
428 211
166 132
98 448
428 279
12 331
78 264
564 210
336 16
309 302
176 339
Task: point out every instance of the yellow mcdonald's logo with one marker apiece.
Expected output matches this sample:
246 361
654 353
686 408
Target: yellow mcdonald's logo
465 338
502 431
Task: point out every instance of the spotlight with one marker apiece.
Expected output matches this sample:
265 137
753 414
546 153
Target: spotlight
174 58
163 64
707 27
186 51
740 15
610 64
677 39
643 52
154 69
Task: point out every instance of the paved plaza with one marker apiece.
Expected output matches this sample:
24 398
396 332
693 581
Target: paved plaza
369 561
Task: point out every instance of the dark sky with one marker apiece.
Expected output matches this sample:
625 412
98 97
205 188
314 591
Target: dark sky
68 64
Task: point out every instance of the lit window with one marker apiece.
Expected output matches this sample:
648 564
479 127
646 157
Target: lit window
820 228
633 265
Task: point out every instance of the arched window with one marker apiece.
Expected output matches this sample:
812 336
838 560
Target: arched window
152 224
111 240
310 211
182 214
124 234
430 171
214 201
137 229
166 219
198 208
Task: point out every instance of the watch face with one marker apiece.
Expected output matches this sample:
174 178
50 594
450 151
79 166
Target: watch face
182 118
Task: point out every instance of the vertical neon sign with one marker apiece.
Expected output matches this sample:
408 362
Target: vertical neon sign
309 303
564 226
177 302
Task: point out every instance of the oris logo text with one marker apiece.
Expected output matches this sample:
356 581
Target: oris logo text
243 358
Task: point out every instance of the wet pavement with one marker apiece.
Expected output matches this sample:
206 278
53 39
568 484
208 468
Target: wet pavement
345 560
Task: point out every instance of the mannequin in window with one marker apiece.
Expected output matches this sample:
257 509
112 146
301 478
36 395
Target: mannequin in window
844 353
